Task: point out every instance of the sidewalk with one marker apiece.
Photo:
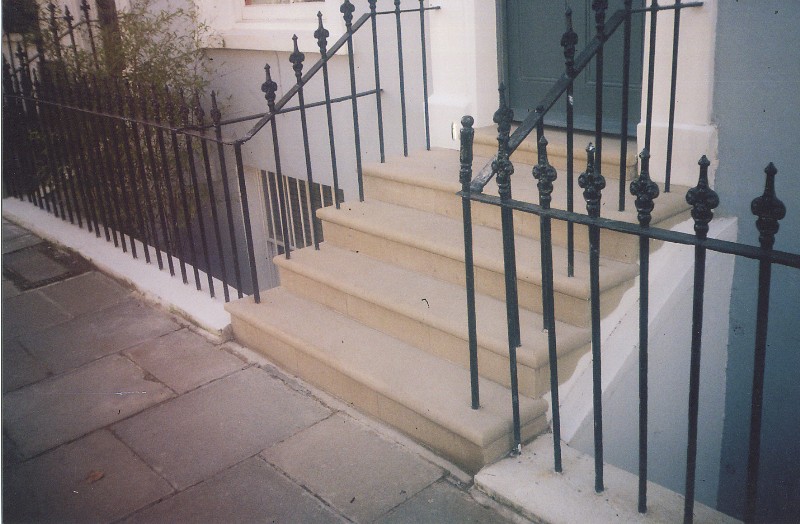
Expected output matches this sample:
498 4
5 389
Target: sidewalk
116 411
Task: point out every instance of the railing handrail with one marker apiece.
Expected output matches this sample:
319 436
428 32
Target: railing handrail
312 71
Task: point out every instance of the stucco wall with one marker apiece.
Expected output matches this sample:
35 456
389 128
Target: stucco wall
758 113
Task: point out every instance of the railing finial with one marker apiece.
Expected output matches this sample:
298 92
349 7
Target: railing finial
769 210
568 41
703 200
85 8
545 174
216 114
269 87
592 184
347 9
645 190
321 34
68 18
501 166
599 7
296 58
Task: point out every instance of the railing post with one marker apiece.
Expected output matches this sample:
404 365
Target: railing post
769 210
503 169
703 200
321 34
401 73
651 65
546 175
465 177
424 73
68 18
296 58
676 29
85 8
347 11
568 41
645 190
593 183
269 87
374 21
54 30
626 80
599 7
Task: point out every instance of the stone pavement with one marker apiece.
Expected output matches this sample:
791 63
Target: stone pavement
114 411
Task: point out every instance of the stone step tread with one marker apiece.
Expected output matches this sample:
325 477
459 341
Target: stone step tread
557 144
431 301
427 385
445 236
437 169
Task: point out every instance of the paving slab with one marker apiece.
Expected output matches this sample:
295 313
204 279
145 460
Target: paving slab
252 491
32 265
20 368
81 340
86 293
354 469
441 503
11 231
184 360
28 312
9 289
94 479
209 429
60 409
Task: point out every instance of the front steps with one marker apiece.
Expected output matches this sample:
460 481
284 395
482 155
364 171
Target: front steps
377 316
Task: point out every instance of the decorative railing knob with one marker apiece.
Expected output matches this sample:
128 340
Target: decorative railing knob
769 210
269 87
592 184
199 112
465 157
501 165
216 115
568 41
599 7
545 174
68 18
703 200
347 9
645 190
321 34
296 58
85 8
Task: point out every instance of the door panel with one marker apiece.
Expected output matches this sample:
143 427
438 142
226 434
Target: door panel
535 61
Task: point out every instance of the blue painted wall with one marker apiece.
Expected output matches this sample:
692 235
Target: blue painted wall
757 109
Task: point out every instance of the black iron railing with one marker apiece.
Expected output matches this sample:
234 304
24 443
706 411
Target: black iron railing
147 167
701 198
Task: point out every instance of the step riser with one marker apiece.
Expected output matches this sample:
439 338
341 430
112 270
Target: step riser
492 365
569 309
614 245
446 443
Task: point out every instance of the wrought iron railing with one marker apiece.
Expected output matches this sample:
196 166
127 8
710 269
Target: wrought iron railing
701 198
146 167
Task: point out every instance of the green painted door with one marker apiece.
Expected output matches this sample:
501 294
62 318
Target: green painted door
535 60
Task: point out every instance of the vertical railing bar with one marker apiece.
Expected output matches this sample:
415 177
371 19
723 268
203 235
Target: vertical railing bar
402 77
546 175
45 119
269 88
593 183
266 182
651 64
298 222
626 78
379 108
321 34
703 200
216 117
177 244
424 74
137 200
85 8
645 190
347 10
599 7
176 151
568 41
185 111
212 197
159 199
248 232
769 210
503 170
137 144
68 18
672 90
467 138
296 58
26 117
121 177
